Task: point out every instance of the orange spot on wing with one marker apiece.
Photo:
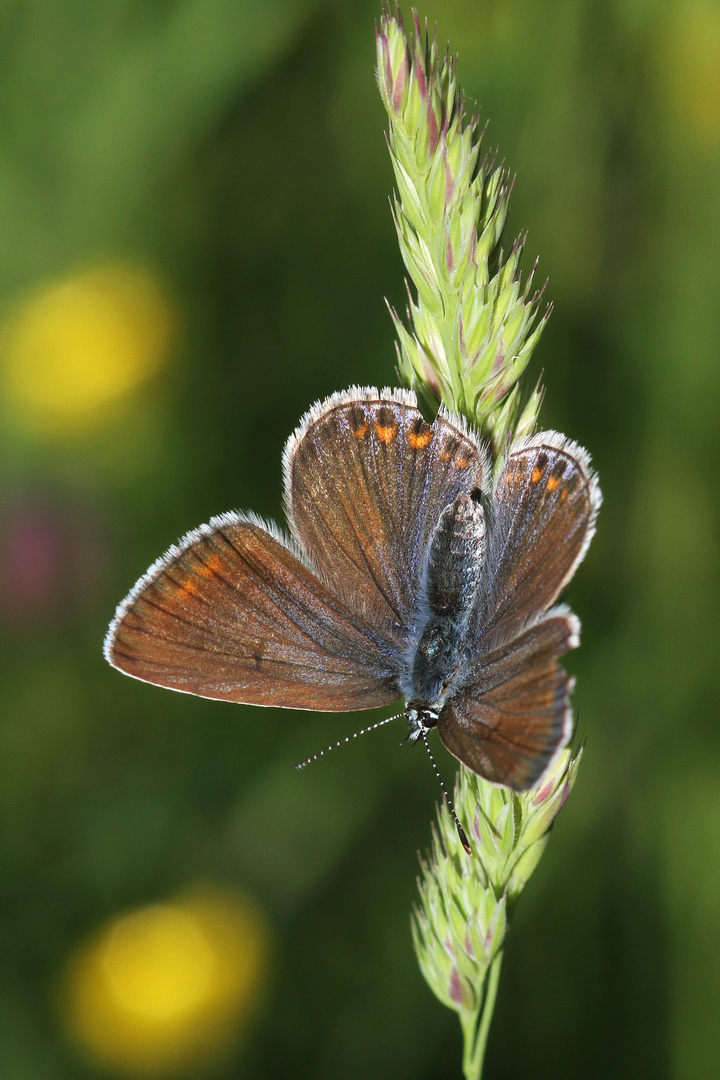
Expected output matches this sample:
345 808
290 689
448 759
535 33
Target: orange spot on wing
552 482
209 566
385 434
361 430
419 440
536 475
201 571
189 587
192 578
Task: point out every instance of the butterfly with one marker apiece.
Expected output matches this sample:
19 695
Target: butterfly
407 573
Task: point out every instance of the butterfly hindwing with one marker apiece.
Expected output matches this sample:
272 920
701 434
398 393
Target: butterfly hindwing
511 713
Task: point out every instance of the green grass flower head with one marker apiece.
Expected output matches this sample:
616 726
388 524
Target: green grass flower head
473 323
465 906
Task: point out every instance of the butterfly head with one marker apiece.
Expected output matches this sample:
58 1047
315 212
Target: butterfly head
420 718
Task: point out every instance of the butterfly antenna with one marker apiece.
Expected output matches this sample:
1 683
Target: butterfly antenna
448 800
341 742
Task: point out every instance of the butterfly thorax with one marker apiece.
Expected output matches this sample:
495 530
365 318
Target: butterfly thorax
452 577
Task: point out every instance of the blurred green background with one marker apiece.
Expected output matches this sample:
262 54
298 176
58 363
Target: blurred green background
196 243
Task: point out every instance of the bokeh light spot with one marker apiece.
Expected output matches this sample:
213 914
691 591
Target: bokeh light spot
79 345
158 962
689 71
168 988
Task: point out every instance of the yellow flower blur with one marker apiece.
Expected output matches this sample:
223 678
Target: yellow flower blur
79 345
165 989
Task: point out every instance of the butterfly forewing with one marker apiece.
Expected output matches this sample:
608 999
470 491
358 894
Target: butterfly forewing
512 712
543 518
232 613
366 481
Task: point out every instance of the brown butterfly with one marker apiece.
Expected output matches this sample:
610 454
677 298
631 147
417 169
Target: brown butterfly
407 574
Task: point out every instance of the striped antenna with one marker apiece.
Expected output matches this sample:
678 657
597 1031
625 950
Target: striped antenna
448 800
341 742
